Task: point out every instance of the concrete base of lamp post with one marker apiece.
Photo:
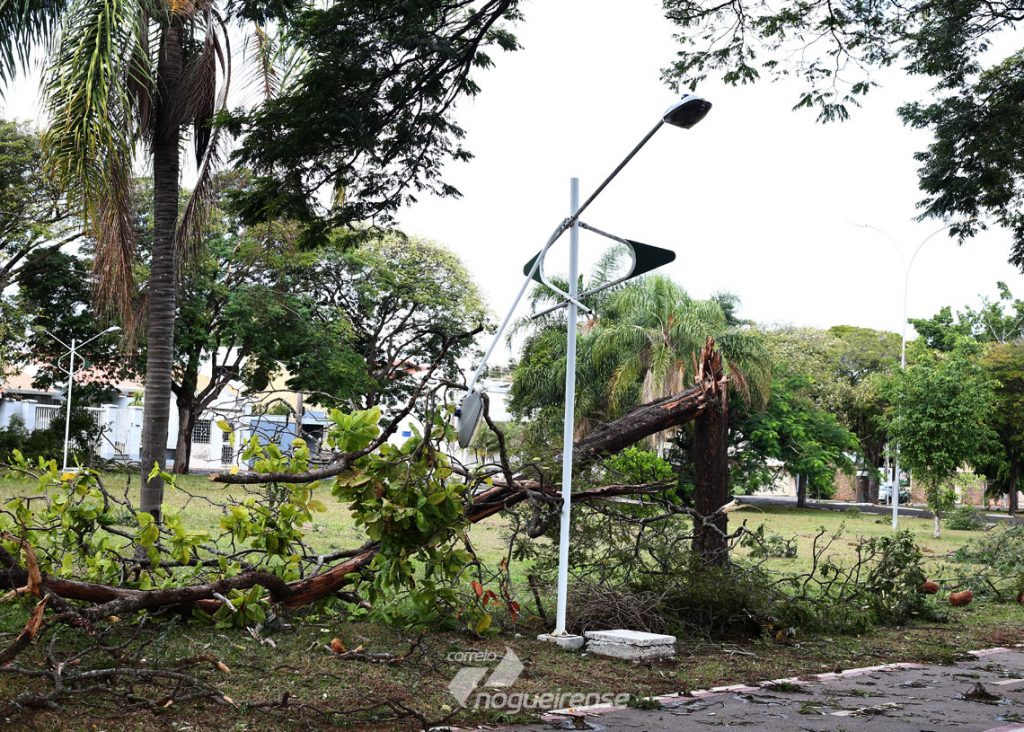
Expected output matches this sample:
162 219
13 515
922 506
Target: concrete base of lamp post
565 641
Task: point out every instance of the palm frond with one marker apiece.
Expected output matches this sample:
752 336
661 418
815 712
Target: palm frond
90 144
25 25
201 89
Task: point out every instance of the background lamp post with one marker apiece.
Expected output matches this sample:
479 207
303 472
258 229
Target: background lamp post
894 490
70 371
685 113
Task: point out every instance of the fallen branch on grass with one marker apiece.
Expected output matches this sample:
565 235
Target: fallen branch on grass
500 494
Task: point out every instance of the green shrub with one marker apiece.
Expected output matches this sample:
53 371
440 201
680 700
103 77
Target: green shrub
721 601
49 443
13 437
894 578
966 518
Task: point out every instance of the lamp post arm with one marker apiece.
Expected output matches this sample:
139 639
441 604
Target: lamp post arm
600 288
56 338
561 229
906 291
566 224
93 338
611 176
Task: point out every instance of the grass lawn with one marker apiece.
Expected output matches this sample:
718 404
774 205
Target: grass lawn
805 524
196 497
324 690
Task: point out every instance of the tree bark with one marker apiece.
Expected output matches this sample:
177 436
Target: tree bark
873 458
186 423
873 486
801 491
862 489
162 288
643 421
1011 504
710 455
938 526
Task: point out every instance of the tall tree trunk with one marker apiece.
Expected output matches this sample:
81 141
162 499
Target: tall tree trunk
873 485
801 491
186 423
862 489
937 532
873 459
710 455
163 273
1014 485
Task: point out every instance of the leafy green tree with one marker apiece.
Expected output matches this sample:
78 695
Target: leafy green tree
972 171
129 79
243 307
846 369
33 216
33 213
938 417
370 114
54 292
392 300
866 360
998 325
1004 363
995 321
643 343
809 442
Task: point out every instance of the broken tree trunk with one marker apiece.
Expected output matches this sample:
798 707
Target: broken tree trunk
710 457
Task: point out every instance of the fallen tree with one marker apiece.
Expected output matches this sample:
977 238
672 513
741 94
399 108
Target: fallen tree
361 471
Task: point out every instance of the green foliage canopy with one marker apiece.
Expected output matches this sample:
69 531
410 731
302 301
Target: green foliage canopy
938 416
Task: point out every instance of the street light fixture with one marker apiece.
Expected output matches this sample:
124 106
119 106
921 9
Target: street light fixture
70 371
685 113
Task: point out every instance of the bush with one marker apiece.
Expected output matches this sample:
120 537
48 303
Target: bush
880 587
894 579
49 443
13 437
966 518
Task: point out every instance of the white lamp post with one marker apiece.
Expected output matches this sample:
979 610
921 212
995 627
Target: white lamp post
685 113
894 491
70 371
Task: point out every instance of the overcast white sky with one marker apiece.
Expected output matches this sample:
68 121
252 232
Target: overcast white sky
756 200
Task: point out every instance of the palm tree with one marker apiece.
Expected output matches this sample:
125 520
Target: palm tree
650 333
643 344
127 81
640 344
540 375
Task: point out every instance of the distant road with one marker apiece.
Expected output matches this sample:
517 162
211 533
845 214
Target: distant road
821 505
